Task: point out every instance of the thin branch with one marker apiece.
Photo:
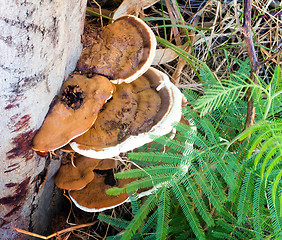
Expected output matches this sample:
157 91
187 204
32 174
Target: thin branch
270 58
247 31
57 233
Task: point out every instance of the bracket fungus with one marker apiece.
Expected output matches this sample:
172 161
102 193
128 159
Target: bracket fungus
73 111
77 174
122 51
148 106
93 197
100 120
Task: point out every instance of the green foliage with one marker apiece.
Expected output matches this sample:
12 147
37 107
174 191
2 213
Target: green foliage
215 180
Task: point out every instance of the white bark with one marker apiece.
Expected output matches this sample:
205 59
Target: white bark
40 42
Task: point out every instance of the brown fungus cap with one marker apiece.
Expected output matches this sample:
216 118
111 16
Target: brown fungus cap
122 51
76 174
93 197
147 106
73 111
105 164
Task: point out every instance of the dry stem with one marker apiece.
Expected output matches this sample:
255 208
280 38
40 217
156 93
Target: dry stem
247 31
56 233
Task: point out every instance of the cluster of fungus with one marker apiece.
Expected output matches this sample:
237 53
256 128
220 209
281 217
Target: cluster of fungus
114 104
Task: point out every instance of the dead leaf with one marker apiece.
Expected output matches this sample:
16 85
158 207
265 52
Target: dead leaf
164 55
132 7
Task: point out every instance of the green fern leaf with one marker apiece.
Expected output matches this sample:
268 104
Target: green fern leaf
267 144
187 210
276 160
120 223
166 169
163 215
134 203
231 229
221 235
177 146
275 186
223 93
157 157
206 188
197 200
146 182
142 214
245 196
274 215
213 179
258 203
150 223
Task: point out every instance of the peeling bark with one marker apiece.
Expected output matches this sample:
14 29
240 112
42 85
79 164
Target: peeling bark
40 43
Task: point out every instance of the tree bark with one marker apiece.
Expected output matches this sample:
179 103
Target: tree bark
40 43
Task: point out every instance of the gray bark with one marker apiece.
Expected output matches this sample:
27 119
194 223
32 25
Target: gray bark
40 42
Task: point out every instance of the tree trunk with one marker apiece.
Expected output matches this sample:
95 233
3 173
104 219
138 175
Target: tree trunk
40 43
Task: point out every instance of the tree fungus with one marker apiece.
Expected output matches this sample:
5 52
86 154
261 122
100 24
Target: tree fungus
148 106
73 111
123 50
100 120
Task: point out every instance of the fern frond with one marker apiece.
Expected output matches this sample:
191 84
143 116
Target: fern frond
271 142
207 77
150 223
277 159
177 146
163 215
212 135
258 207
157 157
228 175
197 200
187 210
146 182
231 229
275 186
206 188
190 95
223 93
117 222
134 203
274 215
213 179
221 235
165 169
245 196
142 214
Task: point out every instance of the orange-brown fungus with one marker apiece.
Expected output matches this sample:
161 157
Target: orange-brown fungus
73 111
72 178
134 109
120 49
105 164
94 196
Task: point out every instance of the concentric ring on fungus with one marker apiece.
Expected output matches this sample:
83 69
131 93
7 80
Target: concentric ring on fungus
122 51
148 106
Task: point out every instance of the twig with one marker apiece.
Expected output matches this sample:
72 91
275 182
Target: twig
56 233
270 58
247 31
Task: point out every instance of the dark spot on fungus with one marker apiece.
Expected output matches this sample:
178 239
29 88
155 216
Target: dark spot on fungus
73 96
109 176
